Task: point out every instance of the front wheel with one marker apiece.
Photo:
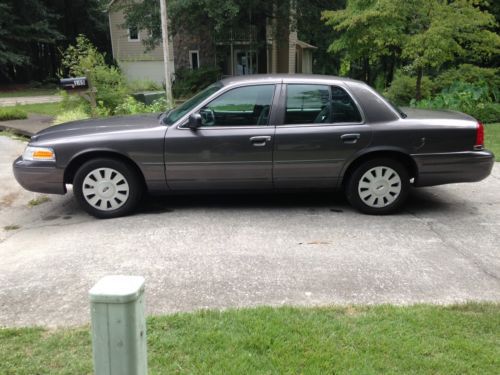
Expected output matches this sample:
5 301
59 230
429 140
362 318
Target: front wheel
107 188
378 186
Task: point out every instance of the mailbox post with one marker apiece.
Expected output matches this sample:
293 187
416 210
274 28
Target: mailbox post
119 326
83 87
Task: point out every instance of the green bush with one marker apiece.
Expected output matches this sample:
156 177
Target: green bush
12 113
75 114
473 99
470 74
188 82
402 89
131 106
144 85
83 59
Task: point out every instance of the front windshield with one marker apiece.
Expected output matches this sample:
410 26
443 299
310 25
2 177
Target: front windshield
176 113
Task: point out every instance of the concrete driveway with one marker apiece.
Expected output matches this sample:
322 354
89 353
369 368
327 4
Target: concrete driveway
233 251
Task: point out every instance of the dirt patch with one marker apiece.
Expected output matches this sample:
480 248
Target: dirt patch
7 200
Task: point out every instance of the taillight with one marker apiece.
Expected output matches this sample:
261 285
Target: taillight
479 135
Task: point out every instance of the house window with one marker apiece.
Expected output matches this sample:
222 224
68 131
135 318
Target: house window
194 59
133 33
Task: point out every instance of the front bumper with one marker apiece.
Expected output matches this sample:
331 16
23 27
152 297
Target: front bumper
38 176
447 168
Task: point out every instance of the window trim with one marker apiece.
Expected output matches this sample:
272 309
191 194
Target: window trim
274 104
138 35
330 85
191 52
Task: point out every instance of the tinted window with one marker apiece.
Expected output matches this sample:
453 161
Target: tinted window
307 104
343 107
243 106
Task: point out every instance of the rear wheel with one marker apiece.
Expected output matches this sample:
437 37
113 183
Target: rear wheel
107 188
378 186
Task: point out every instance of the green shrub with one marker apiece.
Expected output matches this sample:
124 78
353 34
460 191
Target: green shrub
131 106
188 82
470 74
144 85
83 59
12 113
75 114
403 87
473 99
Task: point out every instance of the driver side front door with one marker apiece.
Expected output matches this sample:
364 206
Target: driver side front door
231 150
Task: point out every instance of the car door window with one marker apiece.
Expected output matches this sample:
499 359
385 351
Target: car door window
343 107
242 106
307 104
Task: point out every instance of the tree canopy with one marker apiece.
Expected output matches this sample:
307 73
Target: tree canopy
421 35
32 33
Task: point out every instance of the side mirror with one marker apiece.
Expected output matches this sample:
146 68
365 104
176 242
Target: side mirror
194 121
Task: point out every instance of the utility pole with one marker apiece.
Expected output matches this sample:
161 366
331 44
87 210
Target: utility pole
166 56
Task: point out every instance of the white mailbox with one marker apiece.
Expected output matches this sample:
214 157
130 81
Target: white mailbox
119 326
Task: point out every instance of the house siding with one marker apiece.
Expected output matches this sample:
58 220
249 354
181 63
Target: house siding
126 50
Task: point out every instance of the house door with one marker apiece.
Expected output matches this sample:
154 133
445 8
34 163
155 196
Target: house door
245 62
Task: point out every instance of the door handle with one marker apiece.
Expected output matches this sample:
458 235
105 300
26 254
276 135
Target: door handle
260 140
350 138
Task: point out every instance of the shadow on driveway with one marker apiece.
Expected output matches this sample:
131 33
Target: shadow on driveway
419 201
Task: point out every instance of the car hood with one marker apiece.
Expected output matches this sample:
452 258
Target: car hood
95 126
416 113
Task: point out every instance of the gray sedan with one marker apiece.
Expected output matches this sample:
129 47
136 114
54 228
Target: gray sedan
257 133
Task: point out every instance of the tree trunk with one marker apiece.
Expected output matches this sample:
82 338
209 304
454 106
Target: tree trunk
390 70
367 70
418 88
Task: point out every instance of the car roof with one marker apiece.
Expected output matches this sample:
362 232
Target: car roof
274 78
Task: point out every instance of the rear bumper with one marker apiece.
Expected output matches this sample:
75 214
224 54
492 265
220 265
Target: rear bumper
40 177
446 168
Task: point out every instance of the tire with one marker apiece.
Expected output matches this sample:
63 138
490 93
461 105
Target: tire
107 188
378 186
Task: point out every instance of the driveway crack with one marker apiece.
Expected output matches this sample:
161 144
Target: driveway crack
466 255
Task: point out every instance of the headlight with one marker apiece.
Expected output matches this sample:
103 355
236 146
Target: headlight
39 153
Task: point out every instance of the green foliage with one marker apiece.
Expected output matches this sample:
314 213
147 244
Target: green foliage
422 35
131 106
402 89
473 99
83 59
23 24
188 82
471 74
75 114
144 85
12 113
32 31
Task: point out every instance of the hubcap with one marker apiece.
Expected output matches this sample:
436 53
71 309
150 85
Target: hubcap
379 187
105 189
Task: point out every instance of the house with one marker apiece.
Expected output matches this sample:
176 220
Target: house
250 49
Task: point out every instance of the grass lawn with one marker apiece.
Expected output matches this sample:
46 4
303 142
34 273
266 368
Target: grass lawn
49 109
492 138
27 92
427 339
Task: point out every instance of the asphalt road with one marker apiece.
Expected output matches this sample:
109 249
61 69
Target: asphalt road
233 251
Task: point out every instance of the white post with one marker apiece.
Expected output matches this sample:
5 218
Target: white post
119 326
166 55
